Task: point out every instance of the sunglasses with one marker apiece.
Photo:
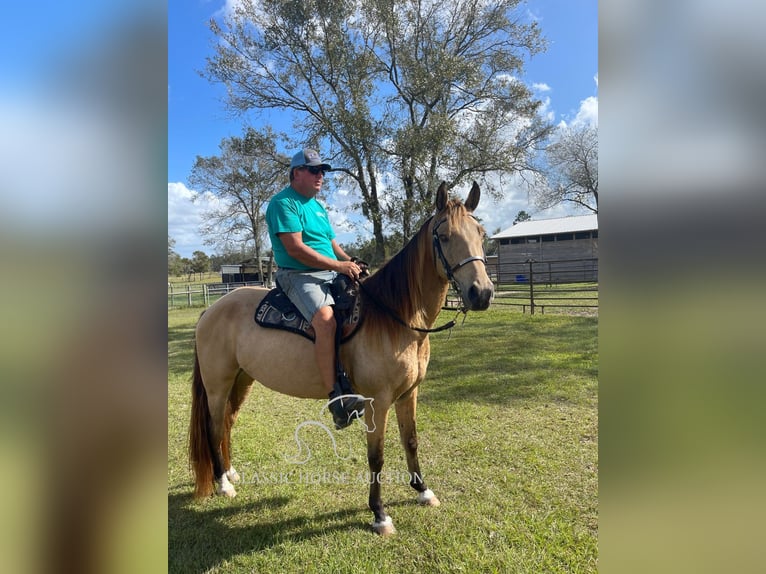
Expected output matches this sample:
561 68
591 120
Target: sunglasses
315 169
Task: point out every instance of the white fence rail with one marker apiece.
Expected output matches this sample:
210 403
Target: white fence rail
201 295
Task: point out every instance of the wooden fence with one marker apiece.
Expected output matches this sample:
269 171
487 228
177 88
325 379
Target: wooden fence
201 295
530 285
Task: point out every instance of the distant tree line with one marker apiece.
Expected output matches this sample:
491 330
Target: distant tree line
178 266
201 263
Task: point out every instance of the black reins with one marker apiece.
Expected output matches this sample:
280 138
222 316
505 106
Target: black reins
399 320
449 270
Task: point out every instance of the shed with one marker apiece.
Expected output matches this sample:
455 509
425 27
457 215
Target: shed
246 271
563 250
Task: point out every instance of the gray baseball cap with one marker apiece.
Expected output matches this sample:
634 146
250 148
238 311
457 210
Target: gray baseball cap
308 157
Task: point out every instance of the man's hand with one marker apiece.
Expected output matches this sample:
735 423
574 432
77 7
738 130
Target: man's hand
350 268
363 265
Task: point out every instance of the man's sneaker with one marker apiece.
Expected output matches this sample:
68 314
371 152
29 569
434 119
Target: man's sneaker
345 410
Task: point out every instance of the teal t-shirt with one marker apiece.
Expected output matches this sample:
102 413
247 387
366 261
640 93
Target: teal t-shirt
290 212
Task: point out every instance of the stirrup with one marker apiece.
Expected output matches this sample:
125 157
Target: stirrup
345 410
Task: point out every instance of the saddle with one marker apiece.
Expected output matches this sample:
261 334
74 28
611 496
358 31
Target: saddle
276 311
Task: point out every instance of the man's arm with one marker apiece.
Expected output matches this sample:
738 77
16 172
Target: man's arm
339 253
296 249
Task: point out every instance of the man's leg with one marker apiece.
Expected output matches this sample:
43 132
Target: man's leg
324 345
343 410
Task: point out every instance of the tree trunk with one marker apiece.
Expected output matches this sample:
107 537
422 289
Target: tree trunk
370 194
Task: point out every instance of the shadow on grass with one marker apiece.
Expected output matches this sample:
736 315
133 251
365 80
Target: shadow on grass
201 538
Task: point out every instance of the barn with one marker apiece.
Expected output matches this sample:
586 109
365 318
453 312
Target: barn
560 250
247 271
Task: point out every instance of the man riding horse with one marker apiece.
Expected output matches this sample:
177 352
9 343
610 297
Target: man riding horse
309 259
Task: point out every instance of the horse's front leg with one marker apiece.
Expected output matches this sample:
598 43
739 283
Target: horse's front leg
376 419
405 415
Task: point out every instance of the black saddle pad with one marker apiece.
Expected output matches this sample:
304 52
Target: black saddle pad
276 311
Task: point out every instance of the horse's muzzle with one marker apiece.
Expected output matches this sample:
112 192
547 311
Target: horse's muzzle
478 298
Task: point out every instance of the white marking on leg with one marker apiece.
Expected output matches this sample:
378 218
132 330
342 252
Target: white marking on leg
232 475
428 498
225 487
385 526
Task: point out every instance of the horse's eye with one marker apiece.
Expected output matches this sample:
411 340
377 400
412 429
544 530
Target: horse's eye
443 238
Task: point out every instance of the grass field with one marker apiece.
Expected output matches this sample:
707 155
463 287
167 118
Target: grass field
196 279
507 422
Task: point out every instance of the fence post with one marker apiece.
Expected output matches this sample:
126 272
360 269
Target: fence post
205 295
188 294
531 288
172 302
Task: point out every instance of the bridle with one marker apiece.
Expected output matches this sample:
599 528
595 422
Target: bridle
448 269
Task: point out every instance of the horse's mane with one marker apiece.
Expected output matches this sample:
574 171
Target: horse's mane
398 284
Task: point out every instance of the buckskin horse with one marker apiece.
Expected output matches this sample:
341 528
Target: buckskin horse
386 359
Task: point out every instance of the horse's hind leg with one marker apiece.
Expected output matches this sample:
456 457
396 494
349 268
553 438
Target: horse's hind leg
218 403
220 380
237 396
405 416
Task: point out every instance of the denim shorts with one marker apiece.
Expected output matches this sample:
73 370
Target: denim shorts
308 290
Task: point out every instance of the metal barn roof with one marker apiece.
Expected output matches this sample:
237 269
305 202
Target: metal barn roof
549 226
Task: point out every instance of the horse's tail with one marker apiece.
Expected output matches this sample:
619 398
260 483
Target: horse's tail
200 456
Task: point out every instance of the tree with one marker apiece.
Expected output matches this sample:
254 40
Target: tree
571 172
174 259
521 216
186 268
229 255
404 93
490 246
246 174
200 263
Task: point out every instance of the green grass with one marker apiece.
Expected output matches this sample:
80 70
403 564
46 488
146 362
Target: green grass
196 279
508 431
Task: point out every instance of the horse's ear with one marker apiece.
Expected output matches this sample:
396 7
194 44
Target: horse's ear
441 197
473 197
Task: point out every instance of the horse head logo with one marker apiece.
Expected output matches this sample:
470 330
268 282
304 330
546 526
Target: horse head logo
304 451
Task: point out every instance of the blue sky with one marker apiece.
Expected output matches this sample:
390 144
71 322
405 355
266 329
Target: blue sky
564 77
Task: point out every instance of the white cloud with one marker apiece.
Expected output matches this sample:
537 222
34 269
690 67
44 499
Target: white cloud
499 214
540 87
185 217
545 111
588 112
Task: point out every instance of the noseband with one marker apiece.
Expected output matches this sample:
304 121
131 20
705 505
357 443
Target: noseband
450 269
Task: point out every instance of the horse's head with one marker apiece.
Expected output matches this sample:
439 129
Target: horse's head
458 245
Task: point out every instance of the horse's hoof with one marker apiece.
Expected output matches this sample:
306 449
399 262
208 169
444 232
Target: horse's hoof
224 487
228 492
428 498
385 527
233 475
